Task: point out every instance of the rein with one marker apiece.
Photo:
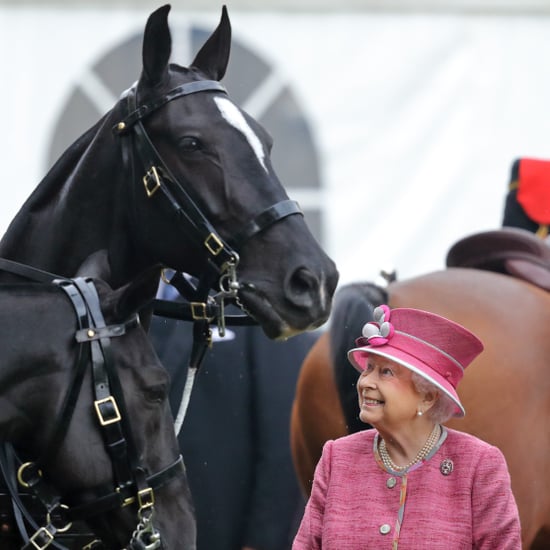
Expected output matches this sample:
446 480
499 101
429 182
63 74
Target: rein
131 483
222 257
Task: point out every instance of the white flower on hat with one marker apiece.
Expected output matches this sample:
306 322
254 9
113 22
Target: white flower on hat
379 331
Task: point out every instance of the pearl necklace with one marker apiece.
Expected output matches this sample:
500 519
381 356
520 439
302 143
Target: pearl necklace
421 455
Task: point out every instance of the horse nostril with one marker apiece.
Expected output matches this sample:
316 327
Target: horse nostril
302 288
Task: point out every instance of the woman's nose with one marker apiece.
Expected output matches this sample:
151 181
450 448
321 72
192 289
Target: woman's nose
366 381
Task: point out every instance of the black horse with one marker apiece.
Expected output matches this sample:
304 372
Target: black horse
83 401
176 174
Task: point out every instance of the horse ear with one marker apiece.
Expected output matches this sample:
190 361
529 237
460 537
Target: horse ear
96 265
213 57
138 294
157 46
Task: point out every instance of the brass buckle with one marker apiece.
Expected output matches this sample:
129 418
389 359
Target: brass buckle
102 420
146 498
41 531
127 501
198 311
66 527
542 231
20 471
151 175
214 244
94 544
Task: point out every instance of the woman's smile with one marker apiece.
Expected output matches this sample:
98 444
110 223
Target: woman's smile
370 402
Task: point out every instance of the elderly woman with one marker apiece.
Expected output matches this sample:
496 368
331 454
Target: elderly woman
410 483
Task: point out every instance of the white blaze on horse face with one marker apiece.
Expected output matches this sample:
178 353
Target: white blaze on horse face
233 115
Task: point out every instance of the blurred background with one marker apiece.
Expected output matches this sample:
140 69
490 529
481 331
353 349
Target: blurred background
395 122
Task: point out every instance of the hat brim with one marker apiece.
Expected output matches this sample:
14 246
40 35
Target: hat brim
358 358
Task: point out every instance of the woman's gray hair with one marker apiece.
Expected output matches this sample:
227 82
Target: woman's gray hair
443 408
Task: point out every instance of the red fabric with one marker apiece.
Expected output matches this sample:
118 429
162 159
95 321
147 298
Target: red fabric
534 189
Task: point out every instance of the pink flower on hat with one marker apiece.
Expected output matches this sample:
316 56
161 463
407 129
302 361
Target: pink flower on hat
379 331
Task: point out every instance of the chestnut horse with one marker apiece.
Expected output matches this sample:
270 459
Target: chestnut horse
506 390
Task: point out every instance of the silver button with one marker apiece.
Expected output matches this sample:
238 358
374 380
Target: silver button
390 483
385 529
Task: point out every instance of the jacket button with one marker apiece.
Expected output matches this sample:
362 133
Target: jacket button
390 483
385 529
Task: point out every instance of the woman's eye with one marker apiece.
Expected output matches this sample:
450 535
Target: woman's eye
387 372
189 144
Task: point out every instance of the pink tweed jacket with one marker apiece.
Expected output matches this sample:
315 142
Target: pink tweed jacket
355 506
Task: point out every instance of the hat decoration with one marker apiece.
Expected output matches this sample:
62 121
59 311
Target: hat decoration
378 332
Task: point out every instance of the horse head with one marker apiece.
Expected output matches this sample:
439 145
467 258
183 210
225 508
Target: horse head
94 421
212 154
177 174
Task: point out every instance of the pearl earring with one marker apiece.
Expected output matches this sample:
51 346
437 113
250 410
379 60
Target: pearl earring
419 413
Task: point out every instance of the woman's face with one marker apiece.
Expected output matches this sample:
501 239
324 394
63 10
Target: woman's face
387 396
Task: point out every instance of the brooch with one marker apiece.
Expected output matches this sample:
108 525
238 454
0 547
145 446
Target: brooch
446 467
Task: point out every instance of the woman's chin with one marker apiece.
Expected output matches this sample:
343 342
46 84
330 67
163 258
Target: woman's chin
365 416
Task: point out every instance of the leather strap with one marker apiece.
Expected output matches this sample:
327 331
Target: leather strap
185 311
106 500
145 109
27 271
266 219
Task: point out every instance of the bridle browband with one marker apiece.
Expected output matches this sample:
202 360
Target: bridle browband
132 484
222 257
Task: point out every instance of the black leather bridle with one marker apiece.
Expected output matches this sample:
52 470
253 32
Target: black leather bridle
141 157
131 482
222 257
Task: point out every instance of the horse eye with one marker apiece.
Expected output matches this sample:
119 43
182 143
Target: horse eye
190 144
156 394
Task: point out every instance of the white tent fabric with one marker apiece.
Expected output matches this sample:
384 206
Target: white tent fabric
418 117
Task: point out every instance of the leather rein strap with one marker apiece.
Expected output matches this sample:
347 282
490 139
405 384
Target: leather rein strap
131 482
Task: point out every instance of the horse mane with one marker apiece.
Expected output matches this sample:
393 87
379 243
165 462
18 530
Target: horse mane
56 177
60 187
353 306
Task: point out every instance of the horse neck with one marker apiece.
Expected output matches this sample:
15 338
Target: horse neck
80 206
31 363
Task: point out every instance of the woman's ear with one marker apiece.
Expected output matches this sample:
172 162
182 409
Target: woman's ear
429 399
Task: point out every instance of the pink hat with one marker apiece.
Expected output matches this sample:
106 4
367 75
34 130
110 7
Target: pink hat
432 346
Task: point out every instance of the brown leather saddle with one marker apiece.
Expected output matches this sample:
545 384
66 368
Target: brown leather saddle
512 251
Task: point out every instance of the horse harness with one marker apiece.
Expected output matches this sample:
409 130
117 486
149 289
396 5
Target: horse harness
221 256
132 484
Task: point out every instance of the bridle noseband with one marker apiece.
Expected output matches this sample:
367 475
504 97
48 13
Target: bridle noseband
132 484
